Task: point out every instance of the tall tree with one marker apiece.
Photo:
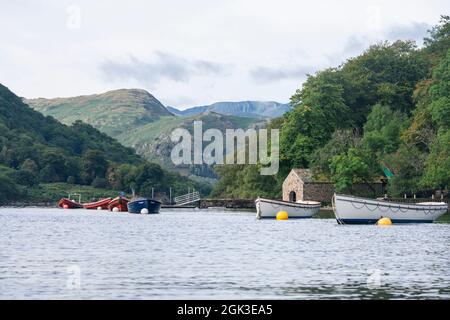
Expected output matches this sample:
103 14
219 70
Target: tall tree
94 165
320 109
437 173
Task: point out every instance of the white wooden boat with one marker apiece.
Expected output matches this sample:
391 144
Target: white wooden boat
266 208
356 210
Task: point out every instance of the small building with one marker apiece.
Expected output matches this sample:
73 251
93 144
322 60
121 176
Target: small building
299 185
294 184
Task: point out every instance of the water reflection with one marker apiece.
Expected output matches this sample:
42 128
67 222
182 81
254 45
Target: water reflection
49 253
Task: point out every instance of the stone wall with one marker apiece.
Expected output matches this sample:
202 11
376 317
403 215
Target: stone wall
227 203
318 191
292 183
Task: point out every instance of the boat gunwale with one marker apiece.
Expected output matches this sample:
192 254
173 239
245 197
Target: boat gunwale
362 221
290 204
366 201
98 201
144 199
76 205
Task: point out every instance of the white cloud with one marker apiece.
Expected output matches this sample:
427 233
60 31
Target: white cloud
192 52
149 73
268 74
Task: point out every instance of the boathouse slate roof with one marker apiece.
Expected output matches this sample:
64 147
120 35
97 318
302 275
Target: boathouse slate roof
304 174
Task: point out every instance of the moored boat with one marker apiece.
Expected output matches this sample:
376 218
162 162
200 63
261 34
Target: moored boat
120 202
66 203
137 205
356 210
102 204
267 208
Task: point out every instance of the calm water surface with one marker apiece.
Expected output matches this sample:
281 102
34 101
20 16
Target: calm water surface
46 253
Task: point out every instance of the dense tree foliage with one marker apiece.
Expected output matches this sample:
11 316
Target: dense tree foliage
349 168
244 181
437 174
386 109
36 149
8 188
320 110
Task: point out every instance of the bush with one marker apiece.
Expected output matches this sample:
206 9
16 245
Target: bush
100 183
8 190
71 180
48 174
25 177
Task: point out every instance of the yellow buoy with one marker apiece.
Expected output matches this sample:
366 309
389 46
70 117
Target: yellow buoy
282 215
384 222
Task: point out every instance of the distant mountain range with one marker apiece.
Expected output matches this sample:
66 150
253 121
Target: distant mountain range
137 119
153 142
251 109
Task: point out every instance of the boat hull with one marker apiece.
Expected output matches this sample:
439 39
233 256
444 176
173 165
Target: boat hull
120 203
69 204
355 210
103 204
268 209
136 206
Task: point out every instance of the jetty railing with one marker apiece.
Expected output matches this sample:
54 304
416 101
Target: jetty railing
187 198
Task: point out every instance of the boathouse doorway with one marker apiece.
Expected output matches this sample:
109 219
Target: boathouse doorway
292 196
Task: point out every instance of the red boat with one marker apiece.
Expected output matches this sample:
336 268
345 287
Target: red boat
66 203
100 204
120 203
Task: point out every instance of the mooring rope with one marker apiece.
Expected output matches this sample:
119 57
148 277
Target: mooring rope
406 210
367 206
384 211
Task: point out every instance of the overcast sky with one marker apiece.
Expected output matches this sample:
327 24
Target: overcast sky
193 52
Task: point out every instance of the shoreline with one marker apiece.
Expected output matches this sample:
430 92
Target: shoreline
51 205
48 205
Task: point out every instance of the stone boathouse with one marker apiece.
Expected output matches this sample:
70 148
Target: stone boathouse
299 185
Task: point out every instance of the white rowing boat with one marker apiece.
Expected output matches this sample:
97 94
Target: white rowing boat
356 210
266 208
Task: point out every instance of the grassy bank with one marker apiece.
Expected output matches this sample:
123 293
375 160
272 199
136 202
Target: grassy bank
52 192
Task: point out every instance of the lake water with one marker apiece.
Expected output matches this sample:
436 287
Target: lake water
73 254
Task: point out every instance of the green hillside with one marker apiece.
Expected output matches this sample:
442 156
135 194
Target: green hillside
27 134
153 140
113 112
136 119
35 150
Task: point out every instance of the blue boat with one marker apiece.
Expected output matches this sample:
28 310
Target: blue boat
136 205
